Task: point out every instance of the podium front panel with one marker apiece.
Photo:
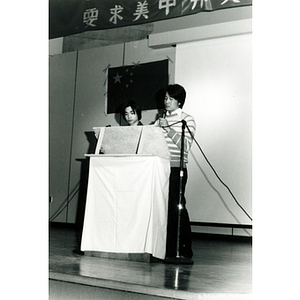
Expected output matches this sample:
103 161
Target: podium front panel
127 204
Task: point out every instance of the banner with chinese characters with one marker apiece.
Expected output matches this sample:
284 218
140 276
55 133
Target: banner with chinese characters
143 83
68 17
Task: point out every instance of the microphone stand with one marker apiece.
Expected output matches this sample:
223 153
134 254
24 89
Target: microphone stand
180 186
178 259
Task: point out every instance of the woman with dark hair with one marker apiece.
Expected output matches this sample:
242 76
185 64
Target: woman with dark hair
171 124
131 113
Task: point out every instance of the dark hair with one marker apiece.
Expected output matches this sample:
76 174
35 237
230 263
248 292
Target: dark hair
135 107
177 92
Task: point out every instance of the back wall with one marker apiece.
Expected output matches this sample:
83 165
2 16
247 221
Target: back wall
217 76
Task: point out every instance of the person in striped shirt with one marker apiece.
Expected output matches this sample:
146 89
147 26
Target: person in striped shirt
171 124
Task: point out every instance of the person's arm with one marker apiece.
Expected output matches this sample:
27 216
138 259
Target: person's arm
176 135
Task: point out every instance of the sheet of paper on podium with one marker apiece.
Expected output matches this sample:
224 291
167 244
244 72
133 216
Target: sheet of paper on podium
131 140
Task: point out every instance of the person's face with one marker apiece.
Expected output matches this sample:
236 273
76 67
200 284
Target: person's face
171 104
130 116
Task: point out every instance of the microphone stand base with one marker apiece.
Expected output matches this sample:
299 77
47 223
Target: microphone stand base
181 260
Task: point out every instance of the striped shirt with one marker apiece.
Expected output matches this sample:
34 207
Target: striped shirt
173 137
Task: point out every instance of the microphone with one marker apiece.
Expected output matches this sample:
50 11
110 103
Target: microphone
164 113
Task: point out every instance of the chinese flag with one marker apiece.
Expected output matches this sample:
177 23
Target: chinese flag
143 83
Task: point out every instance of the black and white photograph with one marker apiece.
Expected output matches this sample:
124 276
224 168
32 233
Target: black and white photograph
152 157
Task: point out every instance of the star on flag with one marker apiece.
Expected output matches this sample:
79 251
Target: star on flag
138 82
117 78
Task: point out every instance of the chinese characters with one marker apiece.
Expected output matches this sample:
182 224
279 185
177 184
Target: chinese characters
116 14
166 4
89 16
141 10
124 13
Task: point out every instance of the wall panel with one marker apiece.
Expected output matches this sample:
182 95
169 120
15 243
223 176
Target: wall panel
218 77
89 112
62 72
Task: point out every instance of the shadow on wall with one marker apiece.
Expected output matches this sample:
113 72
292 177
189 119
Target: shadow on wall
90 135
83 185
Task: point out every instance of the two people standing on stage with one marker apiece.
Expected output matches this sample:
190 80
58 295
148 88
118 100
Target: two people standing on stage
171 124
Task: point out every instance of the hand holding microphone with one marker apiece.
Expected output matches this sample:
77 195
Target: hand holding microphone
163 122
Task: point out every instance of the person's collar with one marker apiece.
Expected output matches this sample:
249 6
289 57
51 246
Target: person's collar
178 112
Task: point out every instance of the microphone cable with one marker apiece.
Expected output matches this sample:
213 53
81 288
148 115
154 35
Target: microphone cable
66 202
205 157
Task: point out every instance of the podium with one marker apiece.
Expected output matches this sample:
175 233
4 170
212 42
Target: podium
127 196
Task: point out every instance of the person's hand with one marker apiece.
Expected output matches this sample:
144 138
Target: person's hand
164 124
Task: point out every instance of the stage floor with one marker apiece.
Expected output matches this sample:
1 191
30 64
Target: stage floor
221 270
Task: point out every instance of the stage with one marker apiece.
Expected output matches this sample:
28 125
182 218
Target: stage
222 269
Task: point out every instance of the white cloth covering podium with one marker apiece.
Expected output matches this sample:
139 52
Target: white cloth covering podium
127 197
